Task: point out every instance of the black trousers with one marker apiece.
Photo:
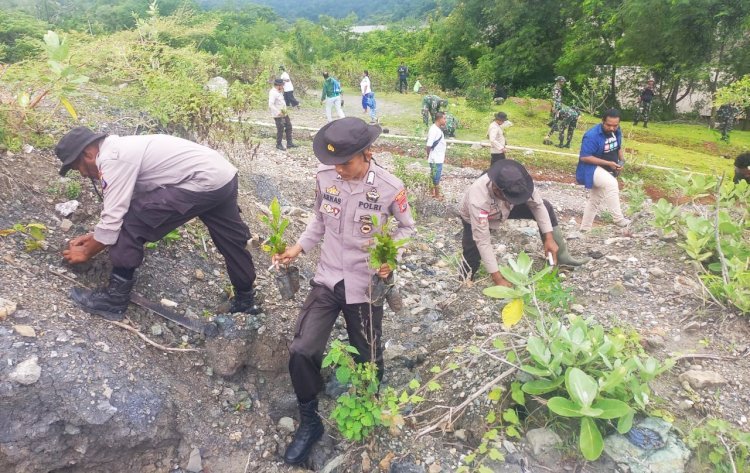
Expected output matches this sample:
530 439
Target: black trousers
314 326
156 213
472 258
283 124
496 157
290 100
403 85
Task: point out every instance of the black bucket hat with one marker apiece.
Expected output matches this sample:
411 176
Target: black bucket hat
72 145
341 139
513 179
278 82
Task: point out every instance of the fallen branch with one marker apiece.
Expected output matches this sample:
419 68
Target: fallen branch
729 452
449 415
149 341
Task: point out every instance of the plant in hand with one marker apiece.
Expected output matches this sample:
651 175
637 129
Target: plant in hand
275 244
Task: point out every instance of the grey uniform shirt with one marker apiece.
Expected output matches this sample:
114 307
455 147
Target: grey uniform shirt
343 219
133 165
484 211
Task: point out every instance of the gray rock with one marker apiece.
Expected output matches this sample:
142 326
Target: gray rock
195 463
286 424
66 225
700 379
656 271
406 466
393 351
156 330
617 290
27 372
460 434
67 208
578 308
671 458
7 308
542 440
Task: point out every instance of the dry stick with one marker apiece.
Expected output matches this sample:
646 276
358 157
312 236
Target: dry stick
707 356
729 452
460 407
247 463
149 341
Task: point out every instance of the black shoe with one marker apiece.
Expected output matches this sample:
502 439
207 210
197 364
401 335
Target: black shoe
281 147
244 301
109 302
309 431
291 145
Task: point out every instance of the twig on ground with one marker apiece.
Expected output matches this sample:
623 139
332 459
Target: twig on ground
729 452
247 463
149 341
447 418
707 356
722 260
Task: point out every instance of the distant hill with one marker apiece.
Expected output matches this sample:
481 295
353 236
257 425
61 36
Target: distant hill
372 11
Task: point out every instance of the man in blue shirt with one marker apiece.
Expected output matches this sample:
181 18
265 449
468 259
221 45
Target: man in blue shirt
600 162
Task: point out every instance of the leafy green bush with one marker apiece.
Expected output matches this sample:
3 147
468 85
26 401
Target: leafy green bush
721 445
586 373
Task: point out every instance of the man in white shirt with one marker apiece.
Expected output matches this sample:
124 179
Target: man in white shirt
288 89
368 97
277 107
435 148
497 136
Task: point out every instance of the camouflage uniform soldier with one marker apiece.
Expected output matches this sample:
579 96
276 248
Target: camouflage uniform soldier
567 119
451 123
644 104
431 104
556 104
725 116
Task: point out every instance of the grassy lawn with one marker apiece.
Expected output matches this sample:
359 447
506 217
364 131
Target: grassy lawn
675 145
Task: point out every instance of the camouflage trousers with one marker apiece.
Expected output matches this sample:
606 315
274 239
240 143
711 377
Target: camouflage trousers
642 113
725 127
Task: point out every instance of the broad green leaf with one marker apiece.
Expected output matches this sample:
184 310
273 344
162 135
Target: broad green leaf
495 454
495 393
625 423
516 393
414 384
513 277
502 292
590 439
509 415
491 417
343 374
511 431
564 407
512 313
537 349
498 344
533 370
591 411
581 387
542 386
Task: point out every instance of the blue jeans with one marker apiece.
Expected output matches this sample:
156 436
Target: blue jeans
436 171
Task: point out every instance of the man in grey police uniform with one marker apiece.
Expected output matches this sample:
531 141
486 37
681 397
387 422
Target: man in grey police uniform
506 191
152 184
350 190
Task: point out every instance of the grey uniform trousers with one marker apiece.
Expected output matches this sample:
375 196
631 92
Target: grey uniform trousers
154 214
314 326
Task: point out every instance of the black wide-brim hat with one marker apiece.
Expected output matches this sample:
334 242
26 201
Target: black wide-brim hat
72 145
338 141
513 179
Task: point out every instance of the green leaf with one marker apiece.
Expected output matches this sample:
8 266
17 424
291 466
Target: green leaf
509 415
495 393
514 277
533 370
516 393
502 292
611 408
564 407
495 454
69 107
581 387
511 431
435 369
343 374
538 350
498 344
625 423
590 440
414 384
491 417
542 386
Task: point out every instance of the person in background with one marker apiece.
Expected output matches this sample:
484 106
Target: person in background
497 136
567 120
742 168
277 107
643 110
351 190
431 104
600 162
403 75
368 97
435 148
556 105
331 96
289 98
725 116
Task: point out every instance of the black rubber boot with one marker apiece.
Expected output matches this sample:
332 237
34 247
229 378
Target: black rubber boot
309 431
244 301
563 257
280 146
290 144
109 302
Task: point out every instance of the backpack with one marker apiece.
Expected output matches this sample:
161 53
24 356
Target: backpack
336 87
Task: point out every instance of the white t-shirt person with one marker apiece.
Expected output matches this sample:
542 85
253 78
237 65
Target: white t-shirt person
288 87
437 155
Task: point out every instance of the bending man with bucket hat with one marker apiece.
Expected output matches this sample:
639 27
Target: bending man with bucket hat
350 190
506 191
152 184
